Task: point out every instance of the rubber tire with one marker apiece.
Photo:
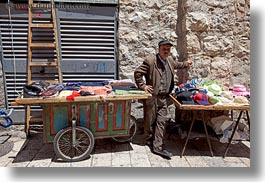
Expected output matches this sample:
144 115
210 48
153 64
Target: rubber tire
133 129
68 132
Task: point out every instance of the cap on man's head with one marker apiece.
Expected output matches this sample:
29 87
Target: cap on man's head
164 42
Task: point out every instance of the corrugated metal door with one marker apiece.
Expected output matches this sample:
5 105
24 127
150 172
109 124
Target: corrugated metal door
88 47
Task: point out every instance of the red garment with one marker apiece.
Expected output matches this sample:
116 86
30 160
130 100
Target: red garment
71 97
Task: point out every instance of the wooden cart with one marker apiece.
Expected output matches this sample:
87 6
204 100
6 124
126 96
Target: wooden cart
73 126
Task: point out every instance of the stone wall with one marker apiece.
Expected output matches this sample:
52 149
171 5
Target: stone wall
142 23
217 36
219 40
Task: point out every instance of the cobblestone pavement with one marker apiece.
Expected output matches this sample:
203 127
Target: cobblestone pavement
32 152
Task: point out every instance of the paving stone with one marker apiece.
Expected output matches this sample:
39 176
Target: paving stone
214 161
196 161
40 163
59 164
83 163
246 161
232 159
18 164
138 149
42 159
4 161
18 145
101 160
140 160
158 161
246 143
121 160
25 155
176 161
235 164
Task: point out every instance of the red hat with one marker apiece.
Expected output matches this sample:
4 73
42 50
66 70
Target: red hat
202 98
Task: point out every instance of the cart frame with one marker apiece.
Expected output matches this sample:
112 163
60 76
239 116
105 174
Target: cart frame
73 126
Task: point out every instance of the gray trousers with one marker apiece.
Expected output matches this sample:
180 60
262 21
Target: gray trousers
155 117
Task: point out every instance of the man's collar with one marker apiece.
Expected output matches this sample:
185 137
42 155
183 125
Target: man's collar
162 60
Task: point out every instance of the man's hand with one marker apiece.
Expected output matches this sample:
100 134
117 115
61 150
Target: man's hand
149 88
189 63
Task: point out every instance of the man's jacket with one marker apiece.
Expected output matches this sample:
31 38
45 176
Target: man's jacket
150 71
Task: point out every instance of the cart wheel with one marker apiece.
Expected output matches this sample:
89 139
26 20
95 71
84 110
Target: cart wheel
83 147
132 132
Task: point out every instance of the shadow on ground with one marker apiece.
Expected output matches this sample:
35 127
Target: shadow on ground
35 149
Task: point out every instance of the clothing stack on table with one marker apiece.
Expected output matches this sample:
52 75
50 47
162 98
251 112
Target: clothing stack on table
211 93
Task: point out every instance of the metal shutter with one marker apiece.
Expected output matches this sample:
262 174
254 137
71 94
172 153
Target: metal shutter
88 48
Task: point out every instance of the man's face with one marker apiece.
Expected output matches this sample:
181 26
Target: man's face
164 51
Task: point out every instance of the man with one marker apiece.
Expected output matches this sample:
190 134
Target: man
158 71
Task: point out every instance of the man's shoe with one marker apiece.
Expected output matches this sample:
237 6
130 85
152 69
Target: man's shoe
164 153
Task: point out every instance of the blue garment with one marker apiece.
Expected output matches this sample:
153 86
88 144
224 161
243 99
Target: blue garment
98 83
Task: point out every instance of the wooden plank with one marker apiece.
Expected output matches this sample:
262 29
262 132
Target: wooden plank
39 25
209 107
41 45
36 118
98 98
43 64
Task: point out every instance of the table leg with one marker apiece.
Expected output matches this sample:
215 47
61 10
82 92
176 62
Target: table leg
234 130
206 133
187 139
248 120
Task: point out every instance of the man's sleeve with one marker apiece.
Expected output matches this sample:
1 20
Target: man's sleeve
139 73
180 65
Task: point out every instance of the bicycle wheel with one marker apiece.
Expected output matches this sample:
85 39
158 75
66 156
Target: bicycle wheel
132 132
65 149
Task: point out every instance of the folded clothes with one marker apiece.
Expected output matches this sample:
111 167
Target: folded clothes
76 84
120 81
126 92
50 92
71 88
121 92
58 87
124 87
98 83
65 93
97 90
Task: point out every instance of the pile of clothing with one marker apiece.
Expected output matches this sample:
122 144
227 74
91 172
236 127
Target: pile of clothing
72 89
210 93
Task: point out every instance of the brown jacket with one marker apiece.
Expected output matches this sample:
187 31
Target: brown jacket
149 70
